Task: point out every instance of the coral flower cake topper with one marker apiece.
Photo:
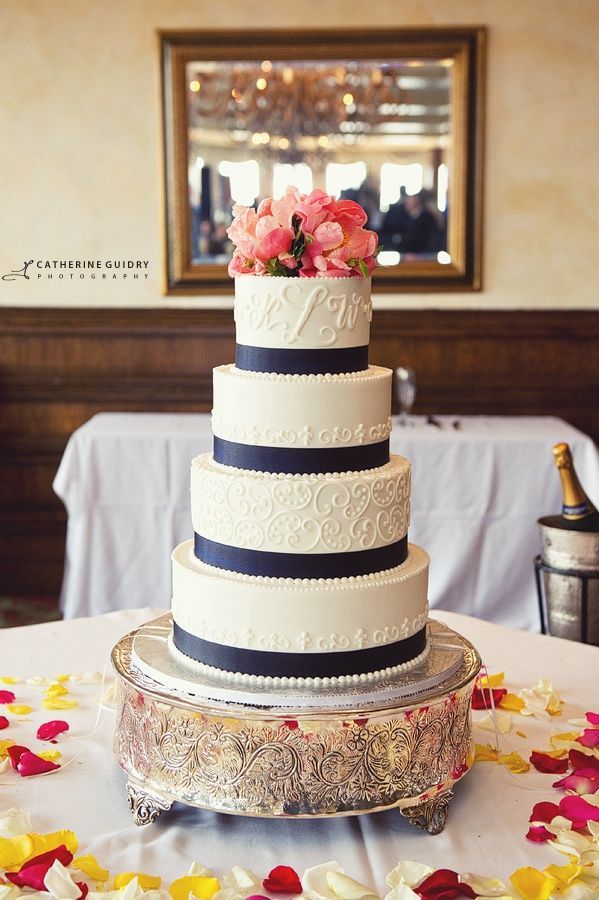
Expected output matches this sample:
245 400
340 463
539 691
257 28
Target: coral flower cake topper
302 235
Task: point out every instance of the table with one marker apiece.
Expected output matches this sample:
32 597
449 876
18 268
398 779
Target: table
487 821
477 494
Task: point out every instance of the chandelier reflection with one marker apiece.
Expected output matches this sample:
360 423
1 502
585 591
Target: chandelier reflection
306 106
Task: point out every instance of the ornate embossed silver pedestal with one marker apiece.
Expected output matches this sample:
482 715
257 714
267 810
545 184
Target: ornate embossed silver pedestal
401 742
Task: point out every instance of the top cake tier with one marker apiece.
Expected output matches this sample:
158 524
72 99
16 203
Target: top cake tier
303 326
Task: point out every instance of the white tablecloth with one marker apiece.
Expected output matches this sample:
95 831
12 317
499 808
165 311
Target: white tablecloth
477 494
488 817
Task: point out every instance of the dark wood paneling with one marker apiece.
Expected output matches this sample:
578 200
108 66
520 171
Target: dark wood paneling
58 367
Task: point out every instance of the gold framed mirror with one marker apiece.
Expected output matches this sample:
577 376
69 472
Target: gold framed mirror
392 118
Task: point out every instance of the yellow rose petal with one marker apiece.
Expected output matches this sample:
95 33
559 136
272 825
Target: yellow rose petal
511 702
485 753
58 703
564 741
146 882
50 755
44 842
63 677
18 709
199 885
514 762
492 680
15 851
8 679
56 690
4 745
532 884
520 734
564 875
90 866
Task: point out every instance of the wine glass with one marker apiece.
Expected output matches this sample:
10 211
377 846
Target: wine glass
405 382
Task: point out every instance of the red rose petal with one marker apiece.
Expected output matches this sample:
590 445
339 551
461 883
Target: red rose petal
291 724
49 730
589 738
443 885
545 763
580 760
84 888
283 880
32 873
544 812
4 723
481 699
7 697
15 752
593 718
539 834
32 764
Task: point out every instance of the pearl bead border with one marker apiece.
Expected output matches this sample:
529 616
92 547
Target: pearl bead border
269 681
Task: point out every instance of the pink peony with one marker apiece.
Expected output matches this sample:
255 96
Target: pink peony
302 234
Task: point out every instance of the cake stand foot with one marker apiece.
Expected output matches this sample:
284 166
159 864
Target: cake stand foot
430 815
144 806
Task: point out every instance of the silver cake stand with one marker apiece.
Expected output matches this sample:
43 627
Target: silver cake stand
400 742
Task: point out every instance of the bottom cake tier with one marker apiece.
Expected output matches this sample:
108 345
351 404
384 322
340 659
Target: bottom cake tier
256 629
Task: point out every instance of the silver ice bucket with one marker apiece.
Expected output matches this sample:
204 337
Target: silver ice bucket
567 574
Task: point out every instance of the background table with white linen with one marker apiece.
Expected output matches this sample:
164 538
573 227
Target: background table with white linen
477 493
488 816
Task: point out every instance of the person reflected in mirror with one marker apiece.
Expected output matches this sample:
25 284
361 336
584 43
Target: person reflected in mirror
413 225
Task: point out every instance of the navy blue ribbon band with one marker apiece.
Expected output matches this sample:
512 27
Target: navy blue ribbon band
298 665
300 461
301 362
300 565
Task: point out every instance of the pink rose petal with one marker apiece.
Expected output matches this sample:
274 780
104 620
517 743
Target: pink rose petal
589 738
578 811
32 764
593 718
578 784
4 723
7 697
49 730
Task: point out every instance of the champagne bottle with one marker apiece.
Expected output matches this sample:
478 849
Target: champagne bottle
578 513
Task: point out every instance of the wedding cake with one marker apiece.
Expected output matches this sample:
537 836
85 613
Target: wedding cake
300 571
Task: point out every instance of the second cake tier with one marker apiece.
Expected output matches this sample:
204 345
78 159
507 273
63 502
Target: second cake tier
301 423
314 526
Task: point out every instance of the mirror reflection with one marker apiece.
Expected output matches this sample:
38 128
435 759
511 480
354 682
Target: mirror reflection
379 132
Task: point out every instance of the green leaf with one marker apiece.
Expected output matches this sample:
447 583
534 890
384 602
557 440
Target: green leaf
352 261
363 268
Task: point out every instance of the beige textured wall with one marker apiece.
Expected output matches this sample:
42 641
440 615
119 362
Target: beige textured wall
79 159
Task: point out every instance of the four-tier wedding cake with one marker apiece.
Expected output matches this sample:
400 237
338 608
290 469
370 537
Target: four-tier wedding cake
300 572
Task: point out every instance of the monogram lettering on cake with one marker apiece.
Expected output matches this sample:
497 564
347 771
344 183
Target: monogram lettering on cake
266 311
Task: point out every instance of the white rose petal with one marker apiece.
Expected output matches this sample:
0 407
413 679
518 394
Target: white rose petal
87 678
502 720
408 871
197 868
402 892
14 821
314 881
484 887
347 888
59 883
